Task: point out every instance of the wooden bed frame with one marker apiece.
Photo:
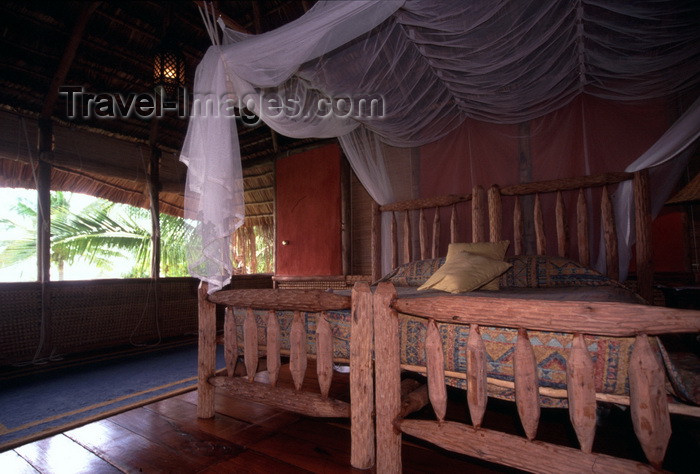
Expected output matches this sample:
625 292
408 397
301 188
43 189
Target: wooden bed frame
648 402
487 222
361 407
374 317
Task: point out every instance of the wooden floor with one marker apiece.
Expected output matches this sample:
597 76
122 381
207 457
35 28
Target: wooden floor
166 436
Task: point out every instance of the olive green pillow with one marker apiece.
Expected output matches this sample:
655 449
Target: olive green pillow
465 272
495 250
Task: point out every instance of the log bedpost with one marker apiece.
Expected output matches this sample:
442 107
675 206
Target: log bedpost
642 219
206 353
361 379
388 379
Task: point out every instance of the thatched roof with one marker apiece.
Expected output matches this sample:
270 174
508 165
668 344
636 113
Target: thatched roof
109 157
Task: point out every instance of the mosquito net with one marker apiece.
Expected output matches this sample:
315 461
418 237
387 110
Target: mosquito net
414 73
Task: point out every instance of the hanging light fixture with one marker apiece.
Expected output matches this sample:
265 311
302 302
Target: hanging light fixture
168 69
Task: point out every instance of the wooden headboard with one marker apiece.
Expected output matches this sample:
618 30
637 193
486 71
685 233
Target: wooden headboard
487 217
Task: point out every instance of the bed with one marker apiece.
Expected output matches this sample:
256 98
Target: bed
384 329
534 341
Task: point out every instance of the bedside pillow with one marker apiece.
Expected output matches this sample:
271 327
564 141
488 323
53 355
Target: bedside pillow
494 250
465 272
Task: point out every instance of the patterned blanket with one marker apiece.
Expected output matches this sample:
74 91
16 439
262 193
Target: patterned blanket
530 277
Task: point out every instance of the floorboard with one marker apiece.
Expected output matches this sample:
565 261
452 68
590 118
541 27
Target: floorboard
167 436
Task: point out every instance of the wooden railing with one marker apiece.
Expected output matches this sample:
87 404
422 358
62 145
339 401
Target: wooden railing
647 399
487 217
314 303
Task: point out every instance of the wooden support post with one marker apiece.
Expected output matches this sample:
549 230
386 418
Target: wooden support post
43 241
388 379
407 237
422 234
361 378
206 353
642 219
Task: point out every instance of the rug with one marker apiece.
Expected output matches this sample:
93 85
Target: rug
37 405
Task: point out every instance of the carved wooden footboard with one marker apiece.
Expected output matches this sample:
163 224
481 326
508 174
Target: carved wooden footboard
360 408
647 398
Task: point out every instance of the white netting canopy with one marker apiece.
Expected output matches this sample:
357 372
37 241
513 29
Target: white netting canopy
407 73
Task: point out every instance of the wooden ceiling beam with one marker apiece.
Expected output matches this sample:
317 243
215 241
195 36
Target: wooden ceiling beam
68 55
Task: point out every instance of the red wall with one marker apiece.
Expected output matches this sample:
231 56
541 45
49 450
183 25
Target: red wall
308 213
610 134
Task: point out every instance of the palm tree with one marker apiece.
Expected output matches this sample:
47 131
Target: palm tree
98 234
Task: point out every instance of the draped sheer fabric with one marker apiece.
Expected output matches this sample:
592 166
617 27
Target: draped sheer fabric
407 73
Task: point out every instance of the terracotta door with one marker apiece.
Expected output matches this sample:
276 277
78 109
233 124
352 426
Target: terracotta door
308 209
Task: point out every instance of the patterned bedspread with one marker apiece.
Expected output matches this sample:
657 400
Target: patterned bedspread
610 355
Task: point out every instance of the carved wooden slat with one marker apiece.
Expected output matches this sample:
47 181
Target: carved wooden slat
453 224
476 375
361 378
436 234
642 223
422 234
649 406
609 235
518 227
478 210
526 393
273 347
324 353
394 241
230 341
581 393
407 237
206 352
540 238
297 347
584 252
515 451
562 227
495 214
435 362
387 379
376 246
250 344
